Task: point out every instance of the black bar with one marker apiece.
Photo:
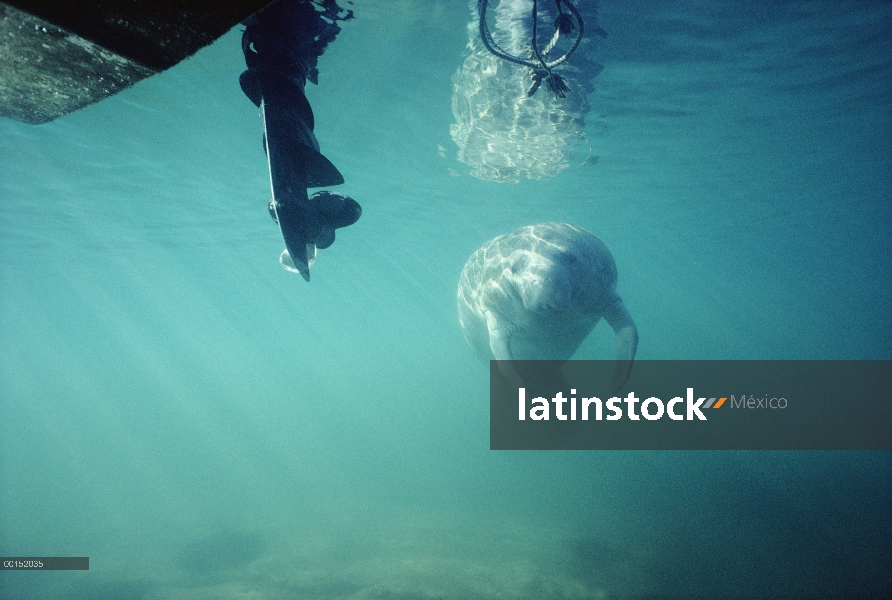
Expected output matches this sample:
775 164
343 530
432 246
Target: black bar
45 563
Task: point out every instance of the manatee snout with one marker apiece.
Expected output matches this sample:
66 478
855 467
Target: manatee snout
544 293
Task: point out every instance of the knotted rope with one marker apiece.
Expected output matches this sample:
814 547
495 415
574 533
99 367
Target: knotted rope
541 68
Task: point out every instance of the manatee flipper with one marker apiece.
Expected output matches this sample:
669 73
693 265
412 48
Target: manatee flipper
499 344
618 317
498 338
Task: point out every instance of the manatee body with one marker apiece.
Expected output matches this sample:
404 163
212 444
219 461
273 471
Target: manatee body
536 294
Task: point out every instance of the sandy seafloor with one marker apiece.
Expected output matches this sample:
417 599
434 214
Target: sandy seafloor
204 425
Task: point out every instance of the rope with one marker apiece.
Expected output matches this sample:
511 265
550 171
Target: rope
552 43
542 69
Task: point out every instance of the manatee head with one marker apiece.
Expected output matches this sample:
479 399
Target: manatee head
536 293
542 282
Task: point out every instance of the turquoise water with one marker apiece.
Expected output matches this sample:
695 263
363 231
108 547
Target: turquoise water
203 424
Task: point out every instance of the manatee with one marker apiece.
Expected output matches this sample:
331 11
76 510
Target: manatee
536 294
